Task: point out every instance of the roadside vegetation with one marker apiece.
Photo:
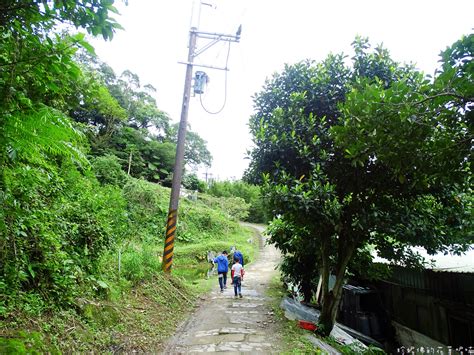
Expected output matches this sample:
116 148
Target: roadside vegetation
295 339
86 157
350 160
365 157
117 298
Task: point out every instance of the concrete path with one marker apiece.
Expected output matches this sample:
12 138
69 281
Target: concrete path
225 324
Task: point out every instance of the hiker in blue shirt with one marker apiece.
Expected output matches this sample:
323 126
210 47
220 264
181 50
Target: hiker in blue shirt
238 255
222 268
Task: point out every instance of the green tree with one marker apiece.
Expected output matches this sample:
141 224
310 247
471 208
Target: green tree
37 71
41 240
41 16
192 182
369 155
196 152
249 193
136 99
97 110
123 119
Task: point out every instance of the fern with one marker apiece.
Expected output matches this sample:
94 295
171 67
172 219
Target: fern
37 135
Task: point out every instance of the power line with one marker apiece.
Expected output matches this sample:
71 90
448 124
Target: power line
172 220
225 89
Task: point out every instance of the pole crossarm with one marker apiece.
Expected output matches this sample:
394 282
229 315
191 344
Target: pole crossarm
216 37
205 66
222 36
172 221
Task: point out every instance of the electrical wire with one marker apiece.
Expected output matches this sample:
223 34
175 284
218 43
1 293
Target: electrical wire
225 89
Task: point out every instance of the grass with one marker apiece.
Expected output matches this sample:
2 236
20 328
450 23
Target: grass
139 321
191 260
139 309
294 337
294 340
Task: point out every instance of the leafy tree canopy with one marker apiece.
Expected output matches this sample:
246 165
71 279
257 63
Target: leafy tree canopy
38 73
54 220
374 155
122 118
38 17
196 152
250 193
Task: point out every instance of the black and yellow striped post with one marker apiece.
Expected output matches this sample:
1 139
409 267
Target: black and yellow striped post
169 240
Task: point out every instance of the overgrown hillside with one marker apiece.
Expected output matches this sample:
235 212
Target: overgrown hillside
95 282
84 156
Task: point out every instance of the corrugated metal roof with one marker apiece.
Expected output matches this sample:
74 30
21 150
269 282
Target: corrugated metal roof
446 263
358 289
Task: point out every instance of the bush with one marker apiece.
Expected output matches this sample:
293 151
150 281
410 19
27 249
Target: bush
147 208
140 262
93 217
58 223
148 211
234 207
108 170
191 182
249 193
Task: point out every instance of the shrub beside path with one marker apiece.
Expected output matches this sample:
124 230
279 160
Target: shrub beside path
222 323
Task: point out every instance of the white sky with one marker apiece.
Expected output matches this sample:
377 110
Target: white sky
274 32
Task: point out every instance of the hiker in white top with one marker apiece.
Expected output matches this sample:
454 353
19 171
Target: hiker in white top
237 273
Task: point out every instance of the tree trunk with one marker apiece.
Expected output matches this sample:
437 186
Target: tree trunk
331 299
307 290
324 270
328 314
129 163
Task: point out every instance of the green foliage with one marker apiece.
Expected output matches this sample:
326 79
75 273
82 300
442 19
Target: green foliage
298 248
197 222
147 208
248 192
143 156
369 155
120 115
37 17
235 207
141 319
33 127
37 76
57 222
195 151
191 182
37 73
140 265
40 133
31 343
93 217
96 109
107 170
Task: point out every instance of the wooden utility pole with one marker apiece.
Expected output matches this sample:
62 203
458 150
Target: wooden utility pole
179 160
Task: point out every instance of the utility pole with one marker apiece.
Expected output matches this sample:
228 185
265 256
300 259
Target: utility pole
179 159
172 221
